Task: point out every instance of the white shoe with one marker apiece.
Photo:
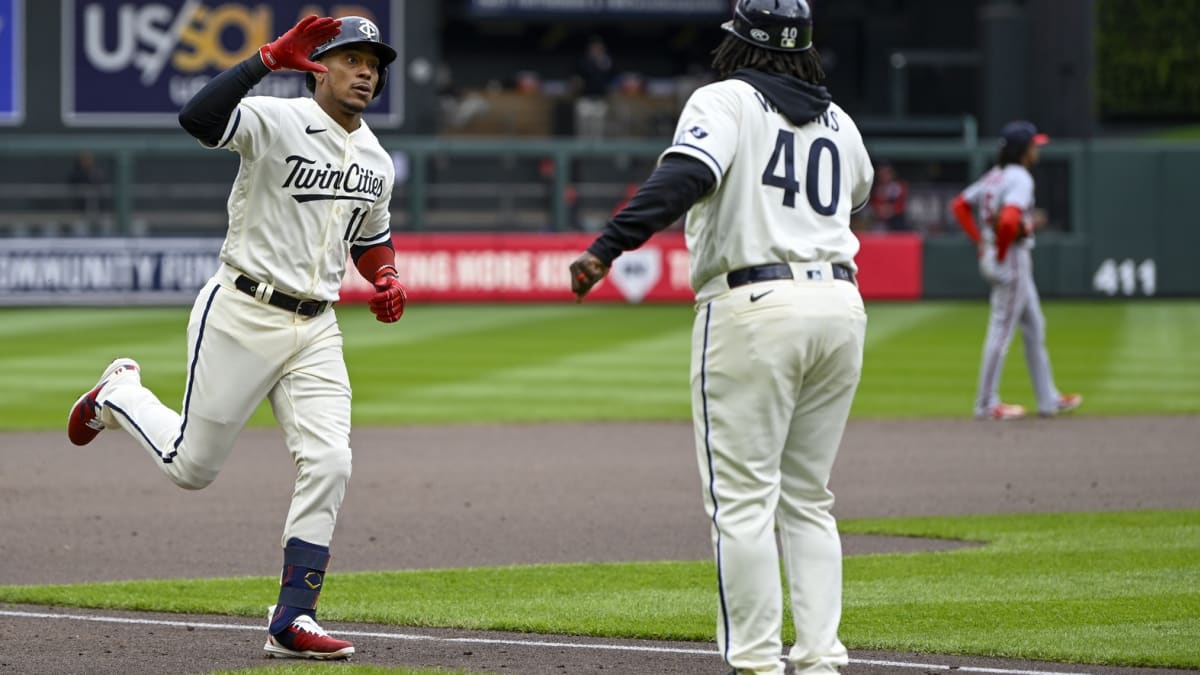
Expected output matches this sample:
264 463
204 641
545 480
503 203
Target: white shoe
1003 412
86 419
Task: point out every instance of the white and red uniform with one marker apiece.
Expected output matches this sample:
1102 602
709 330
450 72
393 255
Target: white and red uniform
1014 296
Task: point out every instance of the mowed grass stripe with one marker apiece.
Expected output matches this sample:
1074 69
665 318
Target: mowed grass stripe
473 363
923 365
1154 346
74 322
635 370
651 376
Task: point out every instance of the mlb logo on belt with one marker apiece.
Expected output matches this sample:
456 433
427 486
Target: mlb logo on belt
815 275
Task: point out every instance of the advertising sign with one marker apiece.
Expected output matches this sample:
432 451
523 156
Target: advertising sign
526 268
533 268
135 63
12 63
75 271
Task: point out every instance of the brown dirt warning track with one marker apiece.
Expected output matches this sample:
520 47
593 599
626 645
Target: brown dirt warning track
427 497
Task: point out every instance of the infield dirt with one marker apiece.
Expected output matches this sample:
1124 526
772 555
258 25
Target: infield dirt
427 497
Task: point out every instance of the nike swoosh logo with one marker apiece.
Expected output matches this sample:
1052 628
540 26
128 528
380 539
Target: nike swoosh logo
310 130
760 296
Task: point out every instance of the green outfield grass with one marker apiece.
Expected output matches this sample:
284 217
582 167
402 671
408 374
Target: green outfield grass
472 363
1101 588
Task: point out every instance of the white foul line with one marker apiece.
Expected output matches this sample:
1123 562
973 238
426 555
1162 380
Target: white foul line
520 643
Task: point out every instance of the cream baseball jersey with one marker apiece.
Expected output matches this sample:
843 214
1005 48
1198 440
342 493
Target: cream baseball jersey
786 190
305 191
1011 185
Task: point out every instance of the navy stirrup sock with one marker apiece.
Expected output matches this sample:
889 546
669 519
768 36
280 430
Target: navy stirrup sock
304 566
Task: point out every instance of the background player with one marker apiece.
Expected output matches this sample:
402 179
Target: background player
771 170
313 186
1003 198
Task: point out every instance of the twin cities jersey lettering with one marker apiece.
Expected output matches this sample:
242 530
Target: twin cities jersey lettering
305 191
790 191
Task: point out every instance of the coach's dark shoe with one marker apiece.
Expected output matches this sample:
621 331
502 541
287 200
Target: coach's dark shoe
305 639
85 421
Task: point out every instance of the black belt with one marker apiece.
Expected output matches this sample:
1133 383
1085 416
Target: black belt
282 300
774 271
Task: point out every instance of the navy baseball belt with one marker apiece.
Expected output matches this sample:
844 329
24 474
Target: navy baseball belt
282 300
776 271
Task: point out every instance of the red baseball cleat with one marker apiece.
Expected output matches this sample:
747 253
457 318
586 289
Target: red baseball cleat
305 639
84 423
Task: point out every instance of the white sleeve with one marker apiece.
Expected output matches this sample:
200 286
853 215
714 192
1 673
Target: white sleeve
865 172
252 127
708 129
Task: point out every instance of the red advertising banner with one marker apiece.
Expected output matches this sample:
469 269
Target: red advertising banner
533 268
890 266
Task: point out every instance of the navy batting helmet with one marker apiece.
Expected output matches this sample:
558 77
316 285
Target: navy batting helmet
357 30
778 25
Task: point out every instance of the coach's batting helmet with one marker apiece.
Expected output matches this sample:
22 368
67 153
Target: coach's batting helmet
778 25
357 30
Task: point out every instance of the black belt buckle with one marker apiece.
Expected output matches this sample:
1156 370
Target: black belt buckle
309 308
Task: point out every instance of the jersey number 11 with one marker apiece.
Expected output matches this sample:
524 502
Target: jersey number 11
785 147
355 223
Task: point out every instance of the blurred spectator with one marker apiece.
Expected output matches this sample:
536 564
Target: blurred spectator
527 82
87 186
889 200
456 107
593 77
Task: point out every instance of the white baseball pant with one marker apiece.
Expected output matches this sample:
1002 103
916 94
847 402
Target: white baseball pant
241 351
773 381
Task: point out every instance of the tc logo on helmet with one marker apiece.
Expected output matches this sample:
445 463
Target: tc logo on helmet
760 35
369 30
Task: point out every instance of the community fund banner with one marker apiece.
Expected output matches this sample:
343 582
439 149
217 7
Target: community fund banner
135 63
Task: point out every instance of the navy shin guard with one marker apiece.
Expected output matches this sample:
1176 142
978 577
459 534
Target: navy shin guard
304 566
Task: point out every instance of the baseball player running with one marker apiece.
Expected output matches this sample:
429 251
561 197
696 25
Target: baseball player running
313 186
1003 198
769 170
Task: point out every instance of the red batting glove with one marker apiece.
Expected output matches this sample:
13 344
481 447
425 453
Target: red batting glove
291 49
390 297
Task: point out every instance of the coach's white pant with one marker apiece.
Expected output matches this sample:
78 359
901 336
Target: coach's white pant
772 385
241 351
